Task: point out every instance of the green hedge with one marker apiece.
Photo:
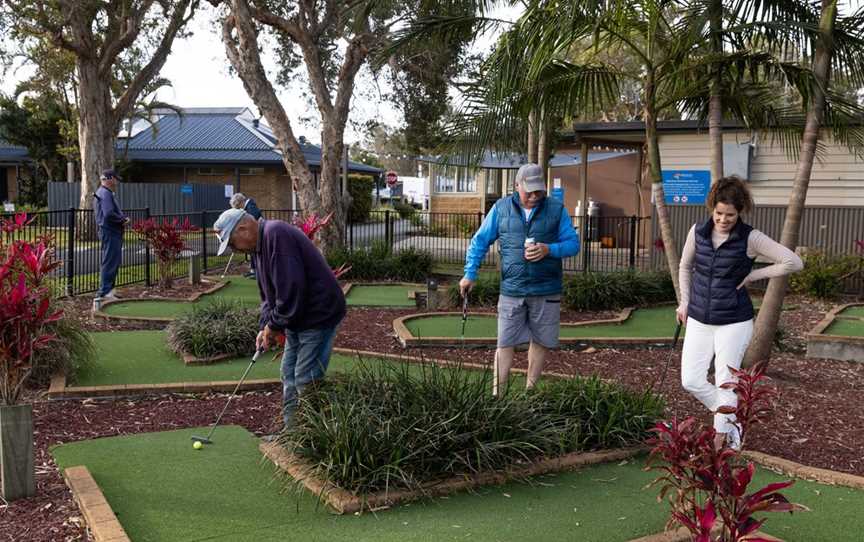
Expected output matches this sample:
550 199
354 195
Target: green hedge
402 425
379 263
823 274
590 291
360 187
219 327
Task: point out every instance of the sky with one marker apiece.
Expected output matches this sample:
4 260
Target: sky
199 71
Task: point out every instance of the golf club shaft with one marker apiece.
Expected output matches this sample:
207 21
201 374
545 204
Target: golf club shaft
225 272
236 388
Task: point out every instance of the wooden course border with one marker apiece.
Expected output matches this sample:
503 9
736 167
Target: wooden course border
842 347
101 314
59 389
100 518
346 502
406 338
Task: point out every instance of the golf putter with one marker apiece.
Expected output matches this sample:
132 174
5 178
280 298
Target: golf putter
464 318
206 440
231 257
662 380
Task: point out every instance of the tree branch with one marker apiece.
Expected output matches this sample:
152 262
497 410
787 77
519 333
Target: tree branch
149 71
121 36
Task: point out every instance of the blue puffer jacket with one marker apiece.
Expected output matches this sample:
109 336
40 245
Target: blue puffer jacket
519 277
714 295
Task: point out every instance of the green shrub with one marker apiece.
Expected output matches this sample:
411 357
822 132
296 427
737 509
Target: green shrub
376 262
405 210
360 187
400 426
485 292
823 274
70 354
218 327
616 290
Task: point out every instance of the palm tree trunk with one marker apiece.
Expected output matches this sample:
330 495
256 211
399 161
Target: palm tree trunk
715 101
532 137
654 171
769 312
543 149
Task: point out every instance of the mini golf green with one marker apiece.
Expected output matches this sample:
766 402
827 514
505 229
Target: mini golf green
655 322
846 328
239 288
381 295
143 357
853 311
163 490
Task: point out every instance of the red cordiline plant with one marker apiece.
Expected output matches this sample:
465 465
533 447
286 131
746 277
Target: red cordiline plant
25 305
707 487
167 239
311 225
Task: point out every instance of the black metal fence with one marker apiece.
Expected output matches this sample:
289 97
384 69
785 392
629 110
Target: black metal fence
608 243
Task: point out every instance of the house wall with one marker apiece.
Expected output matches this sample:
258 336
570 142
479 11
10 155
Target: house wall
11 173
456 202
611 183
837 181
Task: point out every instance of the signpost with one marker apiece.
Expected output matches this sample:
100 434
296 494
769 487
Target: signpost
686 186
391 177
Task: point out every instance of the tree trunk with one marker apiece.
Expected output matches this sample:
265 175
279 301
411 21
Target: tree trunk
769 312
715 101
532 137
543 149
95 136
655 173
331 196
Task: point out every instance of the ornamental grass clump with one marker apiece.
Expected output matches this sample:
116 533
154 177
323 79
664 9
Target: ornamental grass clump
400 426
218 327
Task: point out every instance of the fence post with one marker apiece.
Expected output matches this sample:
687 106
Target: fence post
633 242
204 241
388 240
586 245
350 232
70 254
147 252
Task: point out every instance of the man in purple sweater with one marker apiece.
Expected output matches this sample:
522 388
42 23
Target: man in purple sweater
300 296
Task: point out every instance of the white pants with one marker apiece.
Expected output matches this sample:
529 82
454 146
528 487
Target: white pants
727 345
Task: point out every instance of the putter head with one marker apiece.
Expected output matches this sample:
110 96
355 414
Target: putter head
202 440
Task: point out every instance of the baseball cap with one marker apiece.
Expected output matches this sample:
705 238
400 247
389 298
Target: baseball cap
110 174
530 178
224 225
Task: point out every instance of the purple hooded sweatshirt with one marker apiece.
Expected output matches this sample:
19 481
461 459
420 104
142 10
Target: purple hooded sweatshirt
298 288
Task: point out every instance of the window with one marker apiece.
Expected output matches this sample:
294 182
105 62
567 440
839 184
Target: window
493 181
251 171
212 171
454 179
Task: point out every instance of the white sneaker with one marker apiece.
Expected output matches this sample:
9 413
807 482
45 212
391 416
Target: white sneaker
113 294
733 437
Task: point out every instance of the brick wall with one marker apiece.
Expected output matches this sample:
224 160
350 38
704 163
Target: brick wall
456 203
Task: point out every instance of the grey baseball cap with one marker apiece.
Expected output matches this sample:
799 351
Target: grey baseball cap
224 225
530 178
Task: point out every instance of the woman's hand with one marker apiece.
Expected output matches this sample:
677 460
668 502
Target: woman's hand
681 314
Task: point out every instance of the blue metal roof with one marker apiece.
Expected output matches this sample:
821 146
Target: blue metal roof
213 135
12 153
498 160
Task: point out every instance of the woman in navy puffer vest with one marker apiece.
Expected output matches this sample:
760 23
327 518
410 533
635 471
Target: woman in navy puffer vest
716 265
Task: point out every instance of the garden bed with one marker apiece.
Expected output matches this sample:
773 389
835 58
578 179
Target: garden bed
840 335
631 327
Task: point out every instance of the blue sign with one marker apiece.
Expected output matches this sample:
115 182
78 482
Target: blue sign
558 193
186 189
686 186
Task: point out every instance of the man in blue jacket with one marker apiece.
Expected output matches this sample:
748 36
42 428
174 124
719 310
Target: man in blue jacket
300 296
111 221
534 234
241 201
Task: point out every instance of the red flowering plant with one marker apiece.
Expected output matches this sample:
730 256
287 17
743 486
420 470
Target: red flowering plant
167 239
707 486
25 304
311 225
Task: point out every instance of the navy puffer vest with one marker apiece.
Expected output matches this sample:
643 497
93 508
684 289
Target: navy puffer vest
519 277
714 297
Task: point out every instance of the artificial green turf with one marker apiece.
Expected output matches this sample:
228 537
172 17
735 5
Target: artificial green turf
846 328
650 323
389 295
143 357
163 490
239 288
853 311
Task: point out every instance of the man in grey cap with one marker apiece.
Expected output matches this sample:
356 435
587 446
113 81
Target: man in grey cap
301 297
534 234
111 221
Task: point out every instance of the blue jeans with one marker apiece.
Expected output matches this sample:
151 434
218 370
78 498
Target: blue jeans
112 254
307 355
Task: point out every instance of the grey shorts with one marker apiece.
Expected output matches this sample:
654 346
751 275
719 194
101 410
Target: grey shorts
524 319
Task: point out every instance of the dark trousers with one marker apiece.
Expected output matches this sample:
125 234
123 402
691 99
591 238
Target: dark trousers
112 254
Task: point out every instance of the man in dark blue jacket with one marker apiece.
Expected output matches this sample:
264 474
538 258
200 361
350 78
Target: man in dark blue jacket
247 203
300 296
111 221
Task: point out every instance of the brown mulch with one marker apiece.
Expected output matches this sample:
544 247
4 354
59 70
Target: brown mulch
817 421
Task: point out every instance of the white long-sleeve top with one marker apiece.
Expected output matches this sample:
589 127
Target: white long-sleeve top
759 245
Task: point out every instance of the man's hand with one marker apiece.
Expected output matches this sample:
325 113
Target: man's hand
681 314
536 252
266 337
465 286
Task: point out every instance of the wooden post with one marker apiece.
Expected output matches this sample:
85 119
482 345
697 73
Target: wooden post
16 452
194 269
